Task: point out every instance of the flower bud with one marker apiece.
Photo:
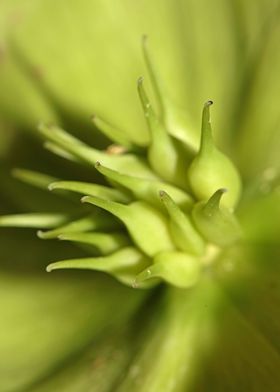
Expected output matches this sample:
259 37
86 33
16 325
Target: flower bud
212 170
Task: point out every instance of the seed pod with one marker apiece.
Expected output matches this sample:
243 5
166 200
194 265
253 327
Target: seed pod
212 170
216 223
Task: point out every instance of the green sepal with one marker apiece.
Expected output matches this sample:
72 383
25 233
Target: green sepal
124 264
211 170
146 189
216 223
166 155
184 234
105 243
146 225
178 269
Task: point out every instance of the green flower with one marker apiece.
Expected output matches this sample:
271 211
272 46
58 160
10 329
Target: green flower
180 225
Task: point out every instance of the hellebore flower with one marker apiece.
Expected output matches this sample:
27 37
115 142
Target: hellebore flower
178 229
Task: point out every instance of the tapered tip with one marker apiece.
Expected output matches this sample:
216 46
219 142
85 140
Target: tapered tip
208 103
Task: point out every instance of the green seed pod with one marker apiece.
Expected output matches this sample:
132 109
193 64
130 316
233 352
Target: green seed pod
184 235
166 155
212 170
216 223
179 269
146 225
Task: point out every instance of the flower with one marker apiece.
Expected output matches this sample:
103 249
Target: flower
175 208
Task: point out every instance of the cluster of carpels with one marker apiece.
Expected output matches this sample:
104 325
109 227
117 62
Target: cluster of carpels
166 213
